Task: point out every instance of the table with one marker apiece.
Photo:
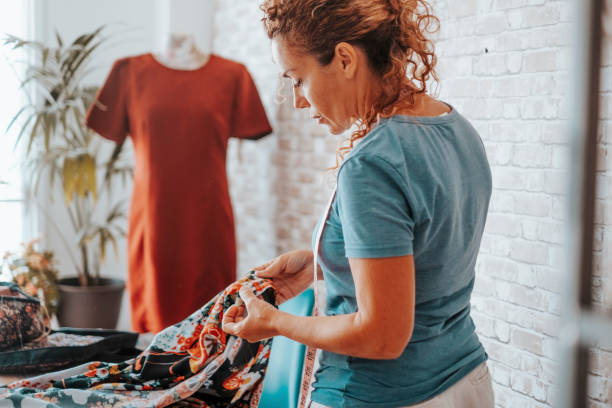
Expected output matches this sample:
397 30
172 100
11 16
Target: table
143 342
7 379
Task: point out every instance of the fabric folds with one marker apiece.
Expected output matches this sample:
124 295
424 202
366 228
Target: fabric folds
190 364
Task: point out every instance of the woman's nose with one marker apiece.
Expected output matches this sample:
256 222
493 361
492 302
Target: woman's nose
299 101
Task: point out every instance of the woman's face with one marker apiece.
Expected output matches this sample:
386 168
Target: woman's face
324 90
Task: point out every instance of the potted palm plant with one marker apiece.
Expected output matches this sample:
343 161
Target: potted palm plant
60 148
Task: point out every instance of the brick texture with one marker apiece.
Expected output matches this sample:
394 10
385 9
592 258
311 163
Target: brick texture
504 65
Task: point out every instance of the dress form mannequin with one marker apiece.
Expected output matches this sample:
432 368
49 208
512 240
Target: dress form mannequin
181 52
180 105
184 36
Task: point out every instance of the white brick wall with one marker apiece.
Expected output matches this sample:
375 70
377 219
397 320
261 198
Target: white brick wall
278 184
504 65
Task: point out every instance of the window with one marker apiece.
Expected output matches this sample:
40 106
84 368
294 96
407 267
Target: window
13 20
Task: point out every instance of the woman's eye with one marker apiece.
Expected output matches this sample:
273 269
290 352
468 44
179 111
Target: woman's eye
297 84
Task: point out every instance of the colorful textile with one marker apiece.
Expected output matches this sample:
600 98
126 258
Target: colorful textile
193 363
21 319
179 123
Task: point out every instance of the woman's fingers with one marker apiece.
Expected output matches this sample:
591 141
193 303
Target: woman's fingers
234 314
264 266
247 296
249 318
229 324
232 319
270 269
238 312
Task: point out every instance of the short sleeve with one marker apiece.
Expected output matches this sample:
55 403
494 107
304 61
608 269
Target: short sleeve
373 209
249 120
108 116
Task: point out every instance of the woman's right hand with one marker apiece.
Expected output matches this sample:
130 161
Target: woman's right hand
290 272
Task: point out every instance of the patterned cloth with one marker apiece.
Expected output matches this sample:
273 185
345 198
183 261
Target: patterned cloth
20 317
190 364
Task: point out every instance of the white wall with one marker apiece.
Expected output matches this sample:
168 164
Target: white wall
505 65
188 17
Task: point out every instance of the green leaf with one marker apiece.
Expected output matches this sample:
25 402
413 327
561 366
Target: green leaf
24 128
102 247
122 232
33 132
113 241
52 178
17 115
45 56
17 42
82 57
60 43
47 130
69 178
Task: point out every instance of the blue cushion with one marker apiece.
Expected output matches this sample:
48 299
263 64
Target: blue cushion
282 382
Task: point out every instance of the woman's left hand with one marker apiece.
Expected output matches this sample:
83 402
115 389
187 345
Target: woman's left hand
252 320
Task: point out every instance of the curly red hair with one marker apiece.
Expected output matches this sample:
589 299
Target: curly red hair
393 34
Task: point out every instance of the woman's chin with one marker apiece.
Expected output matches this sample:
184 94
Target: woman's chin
335 130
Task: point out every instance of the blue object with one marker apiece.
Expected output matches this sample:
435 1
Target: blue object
282 382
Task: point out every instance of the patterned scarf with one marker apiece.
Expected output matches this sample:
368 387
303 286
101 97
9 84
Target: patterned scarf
190 364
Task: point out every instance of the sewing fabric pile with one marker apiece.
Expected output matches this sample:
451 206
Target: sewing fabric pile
190 364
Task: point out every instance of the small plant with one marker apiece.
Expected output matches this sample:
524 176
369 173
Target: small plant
59 146
35 273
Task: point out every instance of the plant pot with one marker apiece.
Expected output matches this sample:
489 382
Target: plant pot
90 306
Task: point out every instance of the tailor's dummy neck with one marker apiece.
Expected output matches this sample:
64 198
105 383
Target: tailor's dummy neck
181 53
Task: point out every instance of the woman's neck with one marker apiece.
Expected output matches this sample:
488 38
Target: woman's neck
411 102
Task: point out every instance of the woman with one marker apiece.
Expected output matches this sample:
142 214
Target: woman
399 245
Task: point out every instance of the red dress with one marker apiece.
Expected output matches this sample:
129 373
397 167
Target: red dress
181 244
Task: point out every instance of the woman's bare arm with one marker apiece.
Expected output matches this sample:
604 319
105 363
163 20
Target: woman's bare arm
380 329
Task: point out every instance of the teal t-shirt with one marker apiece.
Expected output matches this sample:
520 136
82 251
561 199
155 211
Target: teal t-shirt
413 186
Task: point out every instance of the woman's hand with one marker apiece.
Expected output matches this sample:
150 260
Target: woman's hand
250 319
290 272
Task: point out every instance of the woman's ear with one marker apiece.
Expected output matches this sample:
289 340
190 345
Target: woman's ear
346 58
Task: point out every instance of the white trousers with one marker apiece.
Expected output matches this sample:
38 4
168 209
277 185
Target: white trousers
475 390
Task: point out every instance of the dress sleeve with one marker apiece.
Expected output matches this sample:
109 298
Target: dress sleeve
249 120
373 209
108 116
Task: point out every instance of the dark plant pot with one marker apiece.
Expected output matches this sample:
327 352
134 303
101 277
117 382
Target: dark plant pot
90 306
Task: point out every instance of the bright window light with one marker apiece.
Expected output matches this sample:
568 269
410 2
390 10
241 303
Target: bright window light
12 21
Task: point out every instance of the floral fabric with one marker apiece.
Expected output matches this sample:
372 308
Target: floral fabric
190 364
20 317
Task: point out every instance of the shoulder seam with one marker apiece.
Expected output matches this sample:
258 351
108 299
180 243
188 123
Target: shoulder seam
377 157
377 129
